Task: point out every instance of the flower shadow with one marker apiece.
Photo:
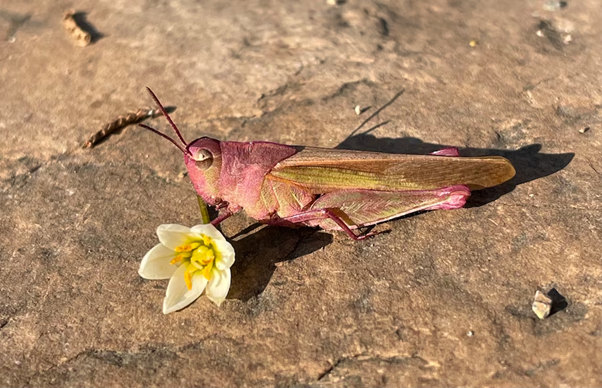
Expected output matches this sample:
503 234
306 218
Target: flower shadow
258 253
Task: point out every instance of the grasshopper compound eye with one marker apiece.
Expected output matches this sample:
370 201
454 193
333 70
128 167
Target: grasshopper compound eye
204 151
200 154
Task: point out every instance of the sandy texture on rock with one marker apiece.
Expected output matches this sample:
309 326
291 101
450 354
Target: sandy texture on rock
444 299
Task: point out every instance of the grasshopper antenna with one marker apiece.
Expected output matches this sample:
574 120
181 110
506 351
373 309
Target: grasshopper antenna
167 117
153 130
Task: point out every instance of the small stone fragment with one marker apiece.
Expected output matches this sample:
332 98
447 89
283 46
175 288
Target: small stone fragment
334 2
358 110
81 37
554 5
473 43
542 305
583 130
567 39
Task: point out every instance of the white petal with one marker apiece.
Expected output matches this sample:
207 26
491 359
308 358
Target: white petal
208 230
227 254
155 264
173 235
178 295
219 285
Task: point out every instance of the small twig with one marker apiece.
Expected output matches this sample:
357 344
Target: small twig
592 166
122 122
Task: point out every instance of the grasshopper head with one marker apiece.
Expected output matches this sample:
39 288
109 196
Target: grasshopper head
204 163
203 158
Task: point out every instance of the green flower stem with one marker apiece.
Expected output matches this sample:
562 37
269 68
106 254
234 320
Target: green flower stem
204 211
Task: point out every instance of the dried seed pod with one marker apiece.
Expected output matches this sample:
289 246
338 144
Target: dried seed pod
121 122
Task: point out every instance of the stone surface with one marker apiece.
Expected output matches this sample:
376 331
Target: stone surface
306 307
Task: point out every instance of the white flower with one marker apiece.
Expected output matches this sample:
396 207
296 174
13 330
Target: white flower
195 259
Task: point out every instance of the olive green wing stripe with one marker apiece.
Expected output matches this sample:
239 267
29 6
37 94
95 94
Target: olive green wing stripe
374 171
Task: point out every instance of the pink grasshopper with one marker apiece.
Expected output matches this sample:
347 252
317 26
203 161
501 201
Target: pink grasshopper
333 189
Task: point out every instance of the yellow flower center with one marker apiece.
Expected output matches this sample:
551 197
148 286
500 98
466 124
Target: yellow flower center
198 255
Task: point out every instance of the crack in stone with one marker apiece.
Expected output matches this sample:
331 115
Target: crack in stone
548 207
363 358
328 370
280 91
347 86
224 118
126 357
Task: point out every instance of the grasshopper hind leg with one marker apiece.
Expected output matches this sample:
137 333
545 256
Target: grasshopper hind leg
359 208
315 217
346 210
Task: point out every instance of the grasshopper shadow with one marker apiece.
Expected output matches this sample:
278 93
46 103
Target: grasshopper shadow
258 253
528 162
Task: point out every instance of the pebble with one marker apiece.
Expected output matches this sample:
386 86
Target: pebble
542 305
554 5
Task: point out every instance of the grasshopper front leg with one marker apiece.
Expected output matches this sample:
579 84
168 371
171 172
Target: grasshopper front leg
221 217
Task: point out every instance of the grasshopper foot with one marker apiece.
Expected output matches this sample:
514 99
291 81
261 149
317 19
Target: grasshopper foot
449 151
370 234
365 236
